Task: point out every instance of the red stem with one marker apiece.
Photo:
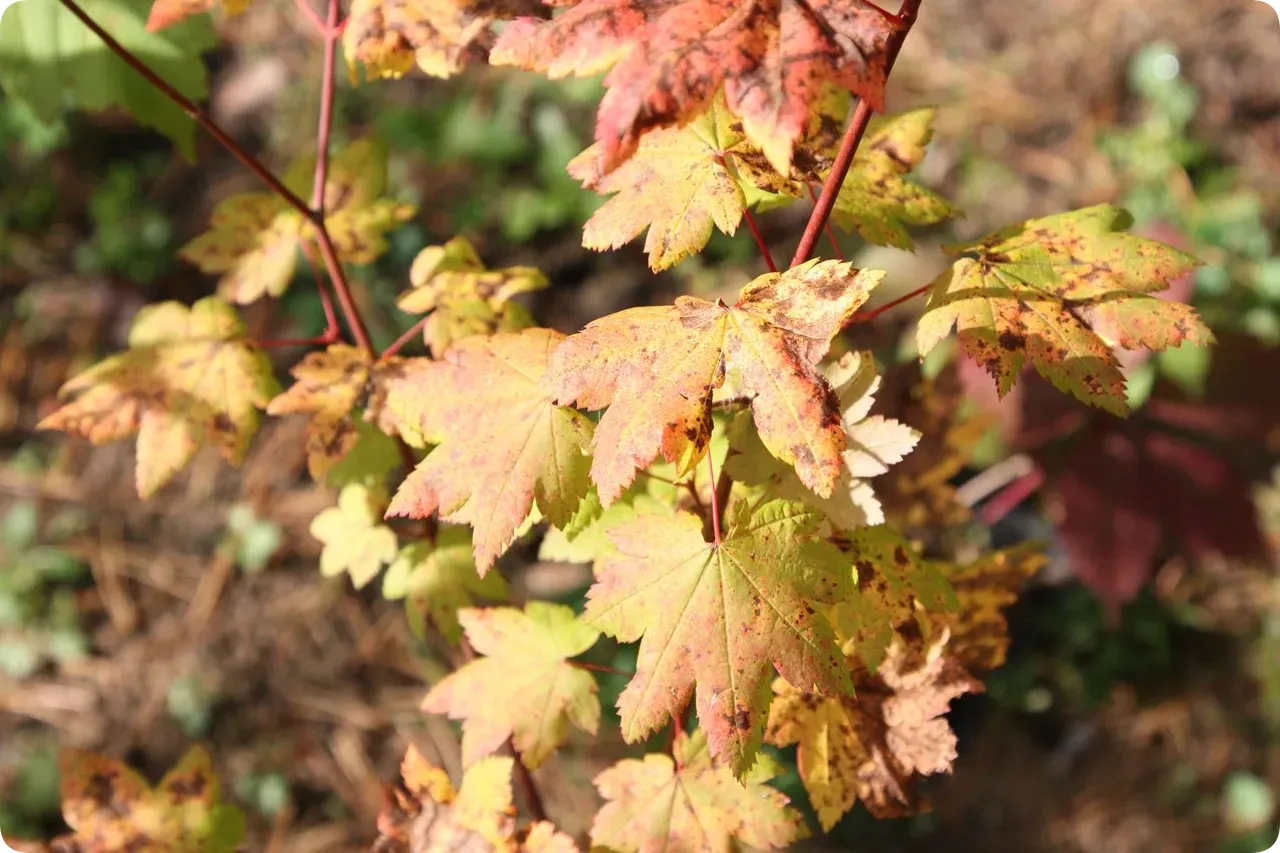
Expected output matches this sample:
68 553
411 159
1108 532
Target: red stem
596 667
715 499
398 344
331 328
831 235
1008 498
305 6
326 109
852 138
868 316
764 247
524 779
279 343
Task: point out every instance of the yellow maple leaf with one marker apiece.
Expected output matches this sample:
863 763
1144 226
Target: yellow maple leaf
329 385
111 808
463 297
390 36
355 540
189 378
692 804
657 368
979 632
869 746
523 688
503 442
254 238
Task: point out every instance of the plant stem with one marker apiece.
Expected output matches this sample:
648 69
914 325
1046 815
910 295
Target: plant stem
398 344
596 667
524 779
764 247
715 499
852 138
279 343
868 316
331 330
305 6
326 111
831 235
1007 500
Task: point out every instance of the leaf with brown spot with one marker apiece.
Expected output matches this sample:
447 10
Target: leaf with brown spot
979 632
871 746
390 37
893 583
720 617
656 369
355 540
874 444
667 60
254 238
692 804
188 379
1062 291
463 297
503 442
523 687
329 385
111 808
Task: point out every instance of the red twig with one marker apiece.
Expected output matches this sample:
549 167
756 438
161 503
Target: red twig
596 667
523 778
331 329
1008 498
280 343
904 20
868 316
326 109
305 6
831 235
715 499
414 331
764 247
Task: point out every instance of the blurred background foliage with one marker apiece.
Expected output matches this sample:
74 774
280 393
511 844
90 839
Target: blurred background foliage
1120 723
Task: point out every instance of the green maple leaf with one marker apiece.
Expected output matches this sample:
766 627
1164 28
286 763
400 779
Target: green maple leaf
523 688
49 60
355 540
892 581
692 804
721 617
1062 291
441 578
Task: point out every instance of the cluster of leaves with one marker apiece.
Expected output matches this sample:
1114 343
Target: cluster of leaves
111 808
719 472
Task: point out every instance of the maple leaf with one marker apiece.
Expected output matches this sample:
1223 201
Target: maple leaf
978 630
717 616
254 238
439 578
166 13
189 378
873 444
440 36
524 688
354 540
868 747
503 442
329 385
656 368
464 298
1062 291
428 816
667 60
692 804
892 582
111 808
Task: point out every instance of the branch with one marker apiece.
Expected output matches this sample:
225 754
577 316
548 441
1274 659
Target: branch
868 316
764 247
852 138
414 331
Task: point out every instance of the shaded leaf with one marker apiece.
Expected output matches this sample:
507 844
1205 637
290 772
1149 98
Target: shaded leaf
390 37
355 540
166 13
870 746
111 808
451 283
690 805
666 61
721 617
979 632
51 62
656 369
329 385
189 378
503 442
523 688
440 578
892 582
1062 291
254 238
873 444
